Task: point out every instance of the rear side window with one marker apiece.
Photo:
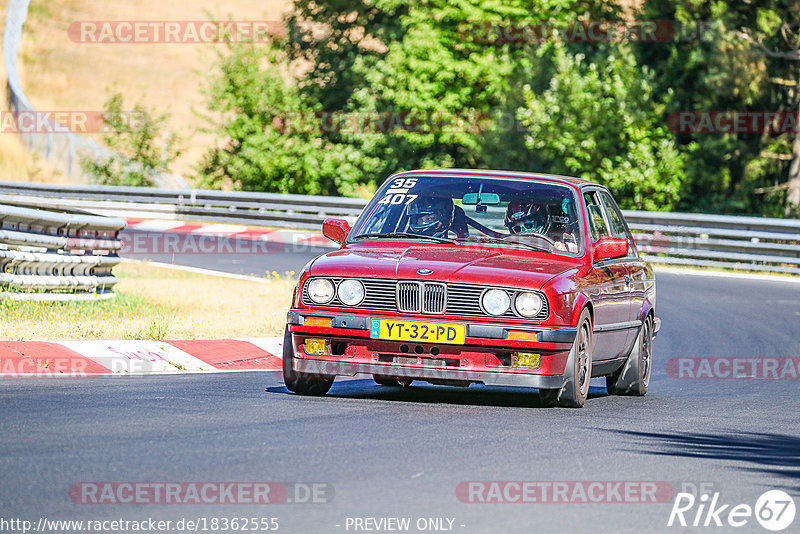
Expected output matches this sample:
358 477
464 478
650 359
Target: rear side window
597 224
614 217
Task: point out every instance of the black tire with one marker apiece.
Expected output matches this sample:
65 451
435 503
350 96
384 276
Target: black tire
385 381
301 383
578 372
392 382
549 396
634 376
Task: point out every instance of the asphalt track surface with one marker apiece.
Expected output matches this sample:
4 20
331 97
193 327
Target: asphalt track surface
219 253
402 453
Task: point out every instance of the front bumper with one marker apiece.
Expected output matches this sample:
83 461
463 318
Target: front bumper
487 356
340 368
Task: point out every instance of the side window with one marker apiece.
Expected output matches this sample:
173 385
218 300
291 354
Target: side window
615 220
597 224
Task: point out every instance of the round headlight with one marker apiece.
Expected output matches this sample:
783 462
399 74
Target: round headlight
320 290
351 292
496 301
528 304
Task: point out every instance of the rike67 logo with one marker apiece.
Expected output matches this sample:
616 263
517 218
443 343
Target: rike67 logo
774 510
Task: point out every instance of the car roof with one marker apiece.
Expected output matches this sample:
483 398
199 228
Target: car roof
555 178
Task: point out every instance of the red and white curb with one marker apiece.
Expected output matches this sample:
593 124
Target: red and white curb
94 358
235 231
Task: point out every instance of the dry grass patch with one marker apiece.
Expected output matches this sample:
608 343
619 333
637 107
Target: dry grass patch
16 163
61 74
158 303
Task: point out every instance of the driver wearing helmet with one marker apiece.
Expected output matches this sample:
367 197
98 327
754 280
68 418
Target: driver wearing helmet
535 218
431 216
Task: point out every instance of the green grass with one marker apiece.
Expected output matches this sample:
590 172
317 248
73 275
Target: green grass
123 305
156 303
20 318
156 329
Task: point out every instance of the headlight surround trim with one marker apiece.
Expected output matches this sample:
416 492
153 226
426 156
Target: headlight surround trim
528 295
354 283
495 302
320 283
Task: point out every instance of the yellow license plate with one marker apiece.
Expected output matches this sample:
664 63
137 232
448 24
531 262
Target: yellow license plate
415 331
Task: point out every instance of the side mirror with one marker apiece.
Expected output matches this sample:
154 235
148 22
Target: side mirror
609 248
336 230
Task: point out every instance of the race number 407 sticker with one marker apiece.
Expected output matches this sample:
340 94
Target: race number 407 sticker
398 193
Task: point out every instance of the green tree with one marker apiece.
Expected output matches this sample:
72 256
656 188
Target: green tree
596 120
272 142
710 65
393 58
137 153
776 36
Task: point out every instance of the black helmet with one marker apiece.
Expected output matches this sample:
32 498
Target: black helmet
430 216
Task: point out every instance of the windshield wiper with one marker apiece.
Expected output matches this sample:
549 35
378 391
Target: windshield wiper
498 240
405 235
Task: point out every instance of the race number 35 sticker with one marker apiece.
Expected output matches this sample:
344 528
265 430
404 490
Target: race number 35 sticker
398 193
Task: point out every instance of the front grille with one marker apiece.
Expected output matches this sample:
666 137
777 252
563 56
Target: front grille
465 299
434 297
409 296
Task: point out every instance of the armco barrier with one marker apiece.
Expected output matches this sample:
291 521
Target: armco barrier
674 238
753 243
48 255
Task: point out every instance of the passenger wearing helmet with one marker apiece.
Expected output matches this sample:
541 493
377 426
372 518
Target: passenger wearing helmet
527 217
430 216
522 217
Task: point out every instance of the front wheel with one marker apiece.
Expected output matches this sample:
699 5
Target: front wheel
301 383
634 376
578 372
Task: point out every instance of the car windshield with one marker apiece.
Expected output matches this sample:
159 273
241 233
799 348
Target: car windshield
506 212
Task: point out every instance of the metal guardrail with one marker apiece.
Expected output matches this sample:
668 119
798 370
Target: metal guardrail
724 241
48 255
259 209
751 243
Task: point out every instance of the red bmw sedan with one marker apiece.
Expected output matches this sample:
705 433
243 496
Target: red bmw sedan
456 277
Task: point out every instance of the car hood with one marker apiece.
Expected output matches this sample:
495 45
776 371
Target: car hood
475 265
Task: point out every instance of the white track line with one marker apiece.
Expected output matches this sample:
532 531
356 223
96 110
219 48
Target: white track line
197 270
